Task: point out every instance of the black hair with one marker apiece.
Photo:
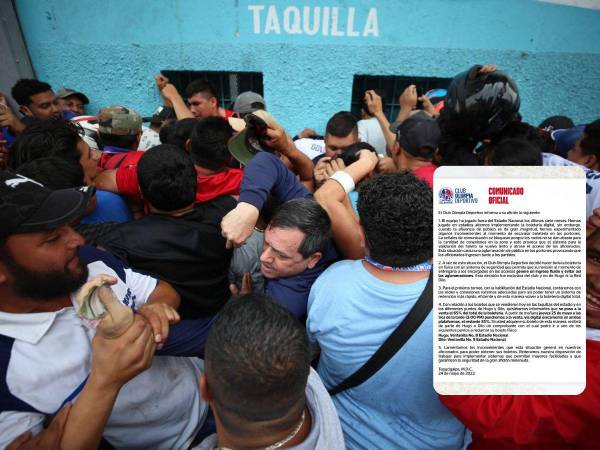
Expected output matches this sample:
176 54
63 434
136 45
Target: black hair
209 143
167 127
179 132
363 103
257 362
342 124
590 141
515 152
521 130
167 178
310 218
25 88
350 153
54 172
197 86
116 140
455 152
396 213
557 123
45 138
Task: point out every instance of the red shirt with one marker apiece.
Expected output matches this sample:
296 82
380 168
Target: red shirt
209 186
535 422
425 173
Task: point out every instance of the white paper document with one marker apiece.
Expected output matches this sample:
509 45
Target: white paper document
509 286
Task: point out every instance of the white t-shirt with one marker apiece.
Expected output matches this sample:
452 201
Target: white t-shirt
149 139
370 131
47 357
310 147
592 188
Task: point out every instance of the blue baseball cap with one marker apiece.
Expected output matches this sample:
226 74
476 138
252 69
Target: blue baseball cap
566 139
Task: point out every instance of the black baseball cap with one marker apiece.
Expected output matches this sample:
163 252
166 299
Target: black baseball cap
161 114
27 206
417 132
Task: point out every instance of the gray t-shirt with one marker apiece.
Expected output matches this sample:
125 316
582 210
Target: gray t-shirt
247 259
325 432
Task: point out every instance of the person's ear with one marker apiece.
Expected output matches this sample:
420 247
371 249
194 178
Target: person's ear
213 102
188 146
205 391
25 111
590 161
314 259
395 149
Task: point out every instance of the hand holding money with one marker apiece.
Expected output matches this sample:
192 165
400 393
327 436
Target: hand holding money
101 309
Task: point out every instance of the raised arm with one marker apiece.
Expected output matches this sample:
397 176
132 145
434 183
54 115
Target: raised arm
114 362
170 94
332 196
265 174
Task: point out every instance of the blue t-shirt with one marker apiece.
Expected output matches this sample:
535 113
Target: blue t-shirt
110 207
350 314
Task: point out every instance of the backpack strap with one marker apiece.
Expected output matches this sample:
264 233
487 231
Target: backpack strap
394 342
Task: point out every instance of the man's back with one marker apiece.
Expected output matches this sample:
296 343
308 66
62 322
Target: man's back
350 314
187 251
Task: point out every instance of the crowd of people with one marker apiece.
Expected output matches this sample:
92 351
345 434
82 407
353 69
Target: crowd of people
266 273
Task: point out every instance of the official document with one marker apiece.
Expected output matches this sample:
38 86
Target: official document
509 286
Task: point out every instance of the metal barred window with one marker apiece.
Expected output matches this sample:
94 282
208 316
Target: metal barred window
228 84
392 87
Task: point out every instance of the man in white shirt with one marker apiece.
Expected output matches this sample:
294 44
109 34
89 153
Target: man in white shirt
49 357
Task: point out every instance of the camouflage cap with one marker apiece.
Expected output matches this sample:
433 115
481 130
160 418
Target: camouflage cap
119 120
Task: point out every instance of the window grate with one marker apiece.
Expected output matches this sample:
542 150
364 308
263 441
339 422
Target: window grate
228 84
392 87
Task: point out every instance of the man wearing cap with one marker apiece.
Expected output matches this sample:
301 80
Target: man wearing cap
49 357
248 102
71 102
418 138
119 131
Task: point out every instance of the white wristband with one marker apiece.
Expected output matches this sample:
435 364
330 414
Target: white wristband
344 179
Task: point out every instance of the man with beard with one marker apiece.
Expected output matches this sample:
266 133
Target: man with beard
49 357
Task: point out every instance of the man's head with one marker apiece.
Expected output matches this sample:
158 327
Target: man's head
177 132
257 362
36 99
418 138
396 215
248 102
54 172
167 178
514 152
341 131
38 250
208 143
587 148
296 238
203 99
119 126
52 138
72 100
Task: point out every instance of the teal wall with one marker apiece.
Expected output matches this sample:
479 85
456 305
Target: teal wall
110 49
